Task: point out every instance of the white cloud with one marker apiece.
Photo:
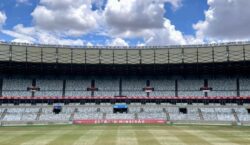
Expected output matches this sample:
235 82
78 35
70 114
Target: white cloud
3 18
56 21
118 42
225 20
22 1
25 2
71 17
141 44
133 15
47 38
144 19
89 44
33 35
21 40
167 35
174 3
21 34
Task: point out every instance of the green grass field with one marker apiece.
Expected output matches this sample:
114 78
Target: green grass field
124 135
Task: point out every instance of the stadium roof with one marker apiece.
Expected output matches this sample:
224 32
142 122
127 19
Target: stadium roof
189 54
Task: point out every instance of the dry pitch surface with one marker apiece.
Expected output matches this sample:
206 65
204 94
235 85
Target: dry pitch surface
125 135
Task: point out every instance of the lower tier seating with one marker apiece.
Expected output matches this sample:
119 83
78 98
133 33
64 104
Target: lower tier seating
135 111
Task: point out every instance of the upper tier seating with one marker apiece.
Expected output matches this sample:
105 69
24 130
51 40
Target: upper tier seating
185 84
245 87
222 87
131 86
106 93
162 87
162 84
16 87
49 88
107 84
245 84
135 93
77 87
161 93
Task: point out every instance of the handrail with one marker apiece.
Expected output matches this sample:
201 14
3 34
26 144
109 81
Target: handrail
129 47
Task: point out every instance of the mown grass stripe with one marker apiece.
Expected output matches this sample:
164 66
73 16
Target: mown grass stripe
186 137
211 138
126 136
230 136
144 137
68 138
17 138
165 137
108 136
45 138
90 136
7 136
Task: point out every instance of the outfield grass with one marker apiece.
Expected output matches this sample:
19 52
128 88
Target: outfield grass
124 135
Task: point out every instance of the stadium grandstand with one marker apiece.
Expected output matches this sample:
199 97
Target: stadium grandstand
41 84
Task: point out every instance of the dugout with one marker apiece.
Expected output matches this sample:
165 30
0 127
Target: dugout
57 109
120 108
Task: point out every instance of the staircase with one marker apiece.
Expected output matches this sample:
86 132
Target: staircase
167 114
136 115
235 115
39 114
72 114
104 116
200 114
3 114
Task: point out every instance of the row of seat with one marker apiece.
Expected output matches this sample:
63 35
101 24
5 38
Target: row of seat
136 112
130 87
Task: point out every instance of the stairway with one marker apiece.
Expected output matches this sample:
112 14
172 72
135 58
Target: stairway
235 115
39 114
104 116
71 118
167 114
136 115
200 114
3 114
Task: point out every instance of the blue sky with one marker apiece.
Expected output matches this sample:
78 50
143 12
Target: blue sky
191 12
123 22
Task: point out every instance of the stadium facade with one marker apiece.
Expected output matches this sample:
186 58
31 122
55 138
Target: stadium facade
190 83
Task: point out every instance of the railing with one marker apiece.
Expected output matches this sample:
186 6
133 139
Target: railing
128 47
125 98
